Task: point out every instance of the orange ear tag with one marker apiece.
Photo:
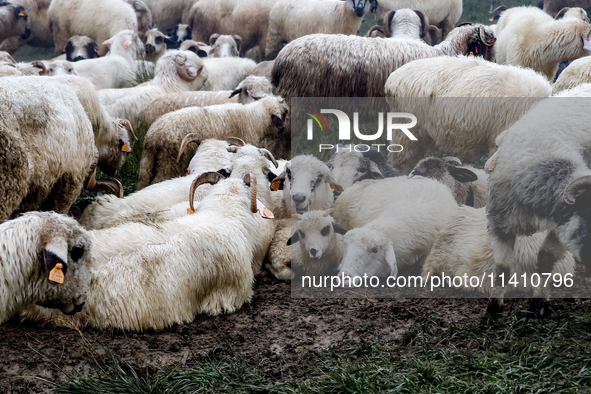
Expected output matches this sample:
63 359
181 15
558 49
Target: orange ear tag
188 171
190 211
56 274
275 185
125 148
264 211
491 19
491 166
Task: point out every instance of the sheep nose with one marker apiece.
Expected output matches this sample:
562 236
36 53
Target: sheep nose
299 198
313 252
150 48
78 58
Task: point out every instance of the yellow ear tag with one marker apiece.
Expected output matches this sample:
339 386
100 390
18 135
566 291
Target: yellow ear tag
332 186
275 185
491 166
125 148
188 171
190 211
56 274
264 211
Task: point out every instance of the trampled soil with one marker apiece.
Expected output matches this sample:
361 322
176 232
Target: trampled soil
275 333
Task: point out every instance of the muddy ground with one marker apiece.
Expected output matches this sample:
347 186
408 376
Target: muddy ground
275 333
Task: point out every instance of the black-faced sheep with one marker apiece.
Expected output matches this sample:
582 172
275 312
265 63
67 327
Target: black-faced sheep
201 49
80 48
46 260
224 45
178 35
14 21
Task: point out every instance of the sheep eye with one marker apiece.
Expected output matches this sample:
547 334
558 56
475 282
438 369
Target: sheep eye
77 252
70 70
325 231
374 250
302 235
51 70
158 40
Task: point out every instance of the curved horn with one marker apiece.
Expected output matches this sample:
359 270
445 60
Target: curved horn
424 23
91 183
181 70
499 8
127 124
112 184
252 182
572 191
235 92
452 159
235 141
39 64
207 177
191 137
465 24
269 156
485 41
388 22
375 32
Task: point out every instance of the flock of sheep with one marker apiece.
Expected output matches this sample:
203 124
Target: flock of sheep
219 204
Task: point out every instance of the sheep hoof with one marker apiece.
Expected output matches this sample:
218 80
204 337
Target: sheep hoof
494 309
537 309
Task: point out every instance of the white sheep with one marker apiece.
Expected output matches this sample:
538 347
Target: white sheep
32 247
291 19
99 20
117 69
224 45
406 23
227 72
14 21
80 48
256 123
479 103
176 71
577 73
392 223
528 37
60 67
468 185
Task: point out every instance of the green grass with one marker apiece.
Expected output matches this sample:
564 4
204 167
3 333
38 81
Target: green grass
512 355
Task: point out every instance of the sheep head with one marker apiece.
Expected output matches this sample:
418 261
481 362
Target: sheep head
224 45
315 231
368 251
80 48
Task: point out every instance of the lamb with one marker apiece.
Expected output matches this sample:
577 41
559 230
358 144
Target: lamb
320 241
358 66
291 19
529 37
38 248
60 67
116 70
178 35
14 21
446 77
40 36
156 44
540 182
250 89
247 18
348 166
99 20
577 73
443 14
219 240
199 48
224 45
143 15
393 223
572 12
468 185
176 71
80 48
226 73
255 122
46 145
464 247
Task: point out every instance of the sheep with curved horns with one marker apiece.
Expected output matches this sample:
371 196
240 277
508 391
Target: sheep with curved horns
40 34
99 20
350 66
392 223
468 185
46 260
143 15
573 13
227 72
224 45
178 35
250 89
14 21
256 123
220 241
116 70
292 19
577 73
443 14
176 71
553 7
247 18
46 144
406 23
540 182
493 90
529 37
464 247
80 48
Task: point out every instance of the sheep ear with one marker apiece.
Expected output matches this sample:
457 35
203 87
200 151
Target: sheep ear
462 174
328 212
201 53
333 184
238 40
213 39
339 229
294 238
169 42
56 252
391 260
